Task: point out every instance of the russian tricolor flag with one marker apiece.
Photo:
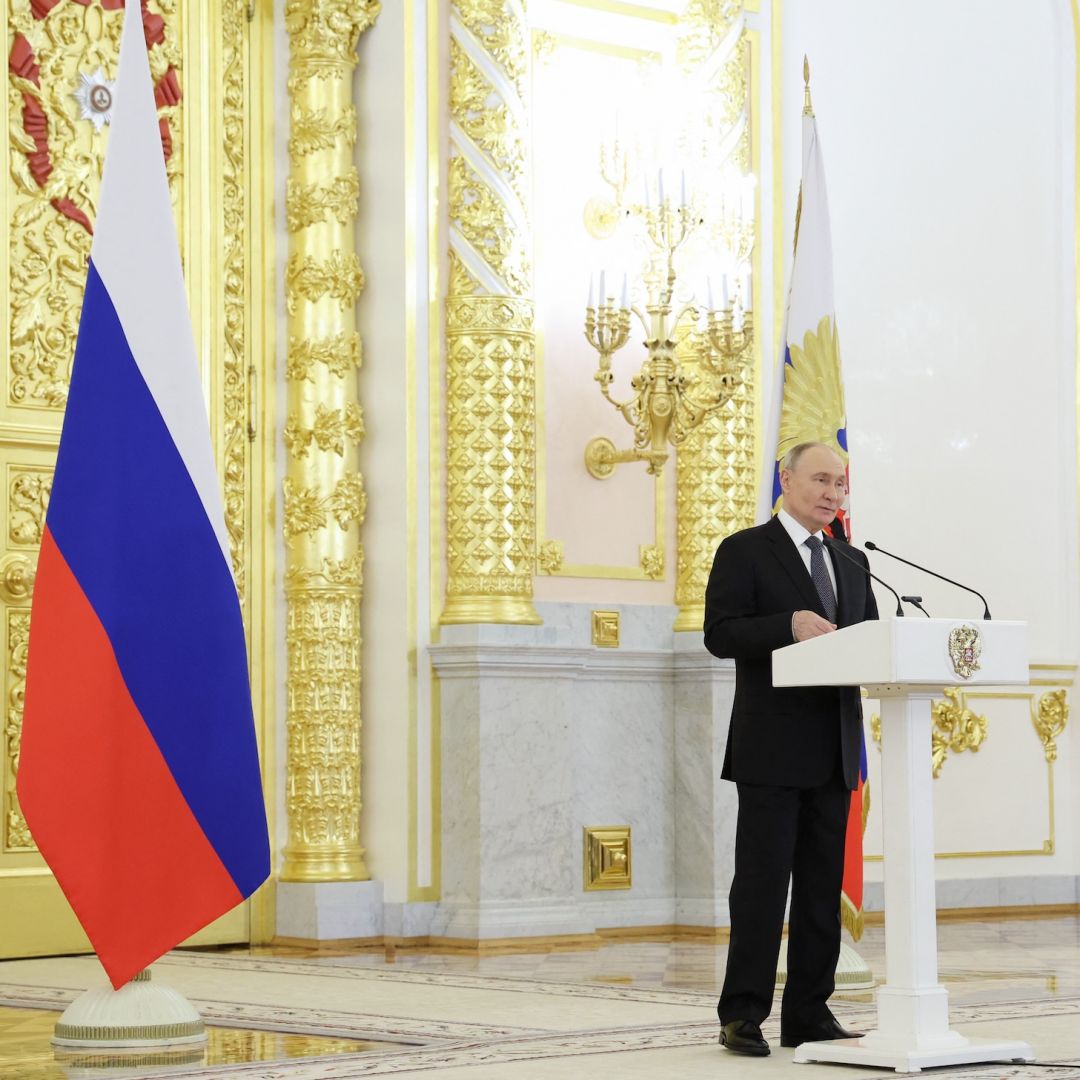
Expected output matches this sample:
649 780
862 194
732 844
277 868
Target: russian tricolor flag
139 774
808 406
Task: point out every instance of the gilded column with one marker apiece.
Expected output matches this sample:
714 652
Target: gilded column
715 475
715 495
323 490
491 449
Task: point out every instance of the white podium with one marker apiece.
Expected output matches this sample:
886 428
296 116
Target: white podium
906 663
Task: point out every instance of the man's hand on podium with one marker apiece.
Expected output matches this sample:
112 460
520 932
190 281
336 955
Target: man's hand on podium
809 624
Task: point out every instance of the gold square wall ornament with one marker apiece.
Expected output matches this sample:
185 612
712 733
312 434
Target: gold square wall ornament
605 629
607 857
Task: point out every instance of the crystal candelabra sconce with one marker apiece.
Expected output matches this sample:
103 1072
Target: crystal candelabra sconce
667 400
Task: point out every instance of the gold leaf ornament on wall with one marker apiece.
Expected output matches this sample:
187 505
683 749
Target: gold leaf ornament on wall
56 162
955 728
1050 718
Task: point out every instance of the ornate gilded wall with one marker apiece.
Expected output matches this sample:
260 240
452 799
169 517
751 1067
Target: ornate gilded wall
61 61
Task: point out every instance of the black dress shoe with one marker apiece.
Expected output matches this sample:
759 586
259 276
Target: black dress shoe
744 1037
822 1031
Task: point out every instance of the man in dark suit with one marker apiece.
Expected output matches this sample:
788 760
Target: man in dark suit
793 752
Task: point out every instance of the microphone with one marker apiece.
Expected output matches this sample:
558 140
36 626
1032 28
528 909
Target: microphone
835 548
916 601
870 545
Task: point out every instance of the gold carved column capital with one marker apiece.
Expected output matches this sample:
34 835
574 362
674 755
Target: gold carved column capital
326 32
324 500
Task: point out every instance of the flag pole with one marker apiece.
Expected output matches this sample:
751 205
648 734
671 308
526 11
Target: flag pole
852 971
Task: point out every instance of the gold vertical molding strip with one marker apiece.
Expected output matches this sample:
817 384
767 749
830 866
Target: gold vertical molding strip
491 377
715 473
324 495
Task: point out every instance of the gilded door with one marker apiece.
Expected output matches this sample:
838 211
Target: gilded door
208 64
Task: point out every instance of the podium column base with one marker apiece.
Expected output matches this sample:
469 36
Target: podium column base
877 1051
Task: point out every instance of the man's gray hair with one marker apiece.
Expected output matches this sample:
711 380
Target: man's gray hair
791 458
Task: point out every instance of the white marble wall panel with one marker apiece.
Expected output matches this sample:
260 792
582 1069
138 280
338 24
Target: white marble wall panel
544 734
705 806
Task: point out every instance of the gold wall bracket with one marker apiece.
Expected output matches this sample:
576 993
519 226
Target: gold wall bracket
601 457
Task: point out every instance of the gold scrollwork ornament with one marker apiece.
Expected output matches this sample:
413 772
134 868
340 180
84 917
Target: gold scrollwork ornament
1050 717
955 728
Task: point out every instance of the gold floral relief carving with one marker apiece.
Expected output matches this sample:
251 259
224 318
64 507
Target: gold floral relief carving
339 277
1050 717
491 418
16 834
332 428
550 556
56 162
462 283
491 127
340 355
322 733
307 510
484 220
234 215
651 559
308 204
28 501
326 32
955 728
314 129
502 35
349 571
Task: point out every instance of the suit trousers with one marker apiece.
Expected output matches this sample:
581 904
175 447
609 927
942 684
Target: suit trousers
782 834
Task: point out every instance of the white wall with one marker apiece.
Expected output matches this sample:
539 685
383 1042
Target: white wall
949 140
947 131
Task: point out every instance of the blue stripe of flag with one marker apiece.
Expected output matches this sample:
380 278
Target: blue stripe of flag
131 526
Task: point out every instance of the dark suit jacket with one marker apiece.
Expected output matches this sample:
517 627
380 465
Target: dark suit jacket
787 736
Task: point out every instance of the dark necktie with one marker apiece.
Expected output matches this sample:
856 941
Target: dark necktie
819 574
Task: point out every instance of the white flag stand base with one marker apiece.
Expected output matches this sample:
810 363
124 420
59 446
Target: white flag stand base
852 971
139 1015
878 1052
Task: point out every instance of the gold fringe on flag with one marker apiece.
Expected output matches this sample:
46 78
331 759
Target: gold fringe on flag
850 918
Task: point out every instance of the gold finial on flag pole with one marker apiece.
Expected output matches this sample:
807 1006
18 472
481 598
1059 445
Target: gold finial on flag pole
808 108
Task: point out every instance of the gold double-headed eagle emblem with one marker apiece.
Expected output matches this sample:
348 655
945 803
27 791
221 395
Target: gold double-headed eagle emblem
965 648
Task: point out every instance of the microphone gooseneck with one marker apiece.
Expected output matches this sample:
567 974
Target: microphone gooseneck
916 601
871 546
834 547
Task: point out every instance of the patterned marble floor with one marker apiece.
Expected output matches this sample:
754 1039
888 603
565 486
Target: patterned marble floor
628 1009
25 1050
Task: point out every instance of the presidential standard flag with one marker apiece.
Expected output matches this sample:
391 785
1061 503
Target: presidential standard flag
809 407
138 774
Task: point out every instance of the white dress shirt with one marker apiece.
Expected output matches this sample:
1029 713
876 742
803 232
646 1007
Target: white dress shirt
798 537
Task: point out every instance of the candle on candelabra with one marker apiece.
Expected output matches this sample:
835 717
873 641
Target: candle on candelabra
682 188
592 292
724 293
624 300
603 297
748 282
660 187
708 293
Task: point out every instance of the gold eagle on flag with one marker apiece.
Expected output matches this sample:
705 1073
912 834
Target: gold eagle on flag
813 405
